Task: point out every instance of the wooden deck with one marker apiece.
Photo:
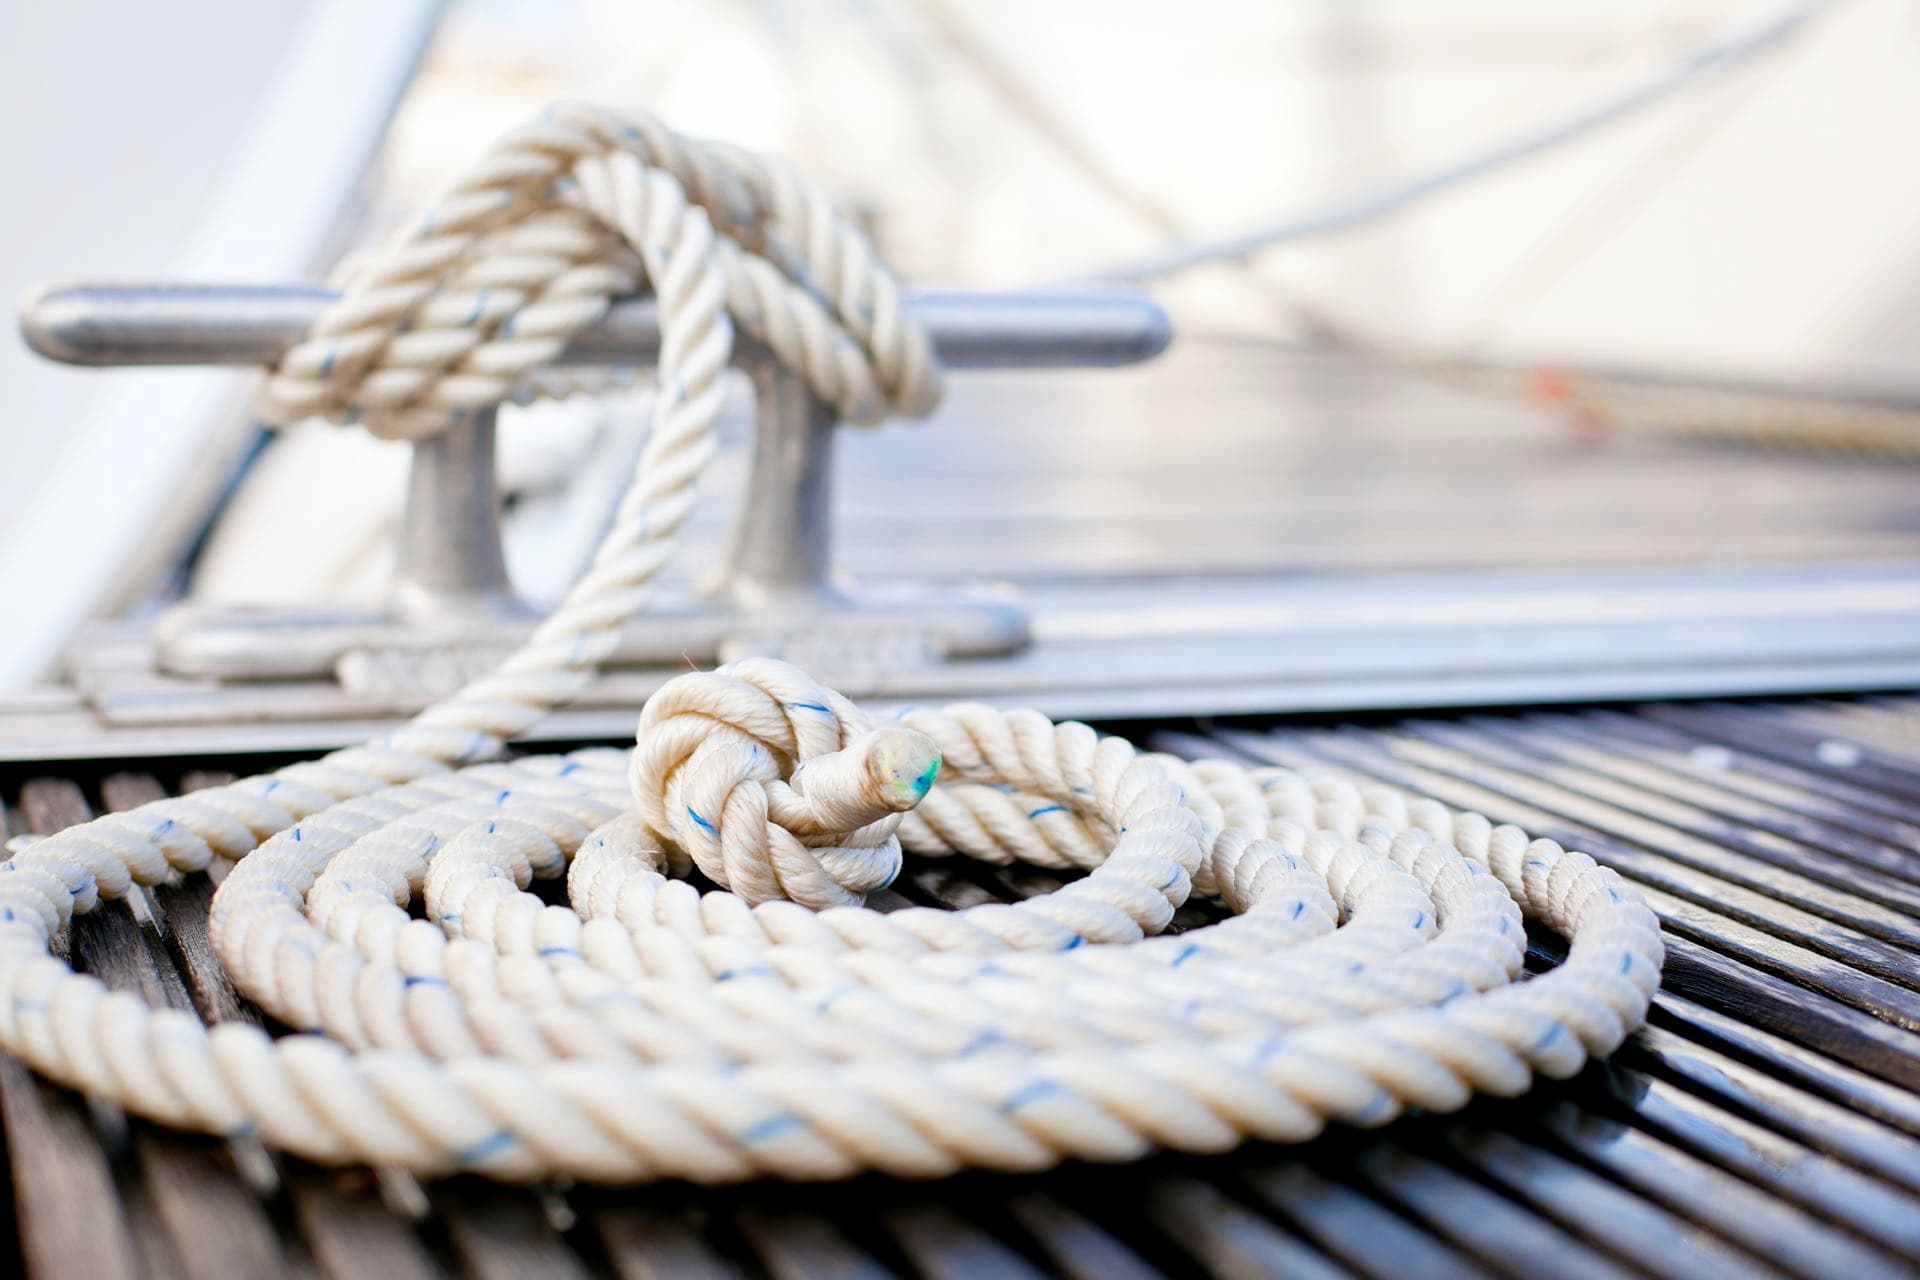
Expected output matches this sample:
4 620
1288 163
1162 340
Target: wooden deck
1238 458
1767 1122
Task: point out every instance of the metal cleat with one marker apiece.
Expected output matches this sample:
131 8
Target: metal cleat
453 609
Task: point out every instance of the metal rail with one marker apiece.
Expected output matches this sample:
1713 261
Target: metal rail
251 324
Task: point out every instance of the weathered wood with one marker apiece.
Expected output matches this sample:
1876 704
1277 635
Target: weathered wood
647 1244
501 1233
1784 1168
796 1246
1074 1245
1605 1213
1782 1234
943 1246
1887 726
1748 789
68 1210
352 1235
1727 985
1350 1226
184 908
1865 1143
1837 798
1793 1062
214 1223
1226 1238
1751 730
1480 1222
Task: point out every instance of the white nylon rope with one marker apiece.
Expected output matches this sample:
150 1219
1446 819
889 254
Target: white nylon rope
1370 965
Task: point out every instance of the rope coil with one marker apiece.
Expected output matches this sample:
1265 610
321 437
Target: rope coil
776 1027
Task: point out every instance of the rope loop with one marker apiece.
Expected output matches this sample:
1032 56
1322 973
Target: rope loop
462 308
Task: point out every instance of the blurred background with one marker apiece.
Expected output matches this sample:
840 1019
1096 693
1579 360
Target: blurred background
1752 226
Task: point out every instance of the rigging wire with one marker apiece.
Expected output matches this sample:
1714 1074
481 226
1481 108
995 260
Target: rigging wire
1632 187
1715 57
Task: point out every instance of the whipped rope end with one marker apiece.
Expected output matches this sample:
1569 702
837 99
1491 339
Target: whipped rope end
903 764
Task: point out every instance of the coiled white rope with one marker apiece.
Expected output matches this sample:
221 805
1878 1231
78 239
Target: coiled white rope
1371 964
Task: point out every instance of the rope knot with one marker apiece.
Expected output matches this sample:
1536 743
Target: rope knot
466 306
775 786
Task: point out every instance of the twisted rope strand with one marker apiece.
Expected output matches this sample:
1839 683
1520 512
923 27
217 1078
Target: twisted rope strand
775 1027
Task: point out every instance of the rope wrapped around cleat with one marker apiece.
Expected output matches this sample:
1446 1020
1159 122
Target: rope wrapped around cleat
1371 963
